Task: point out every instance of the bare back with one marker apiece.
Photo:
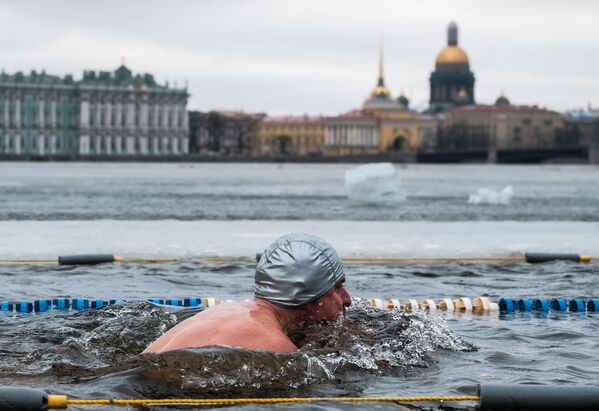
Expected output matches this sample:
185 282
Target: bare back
246 325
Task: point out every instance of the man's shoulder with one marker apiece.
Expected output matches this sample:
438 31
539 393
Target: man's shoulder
229 315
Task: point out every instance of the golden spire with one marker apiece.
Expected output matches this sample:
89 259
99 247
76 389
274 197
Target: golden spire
381 69
380 90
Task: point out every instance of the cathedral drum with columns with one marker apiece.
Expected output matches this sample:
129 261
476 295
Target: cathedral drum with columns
105 113
452 82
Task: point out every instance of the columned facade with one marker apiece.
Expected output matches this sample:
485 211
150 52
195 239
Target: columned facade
102 114
351 134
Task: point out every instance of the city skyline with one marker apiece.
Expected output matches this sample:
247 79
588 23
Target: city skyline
306 57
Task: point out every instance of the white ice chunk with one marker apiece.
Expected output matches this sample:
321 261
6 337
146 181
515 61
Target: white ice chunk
375 183
488 196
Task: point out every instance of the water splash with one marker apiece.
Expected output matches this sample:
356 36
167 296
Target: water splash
107 343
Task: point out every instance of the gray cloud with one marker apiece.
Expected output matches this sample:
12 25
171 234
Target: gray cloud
313 56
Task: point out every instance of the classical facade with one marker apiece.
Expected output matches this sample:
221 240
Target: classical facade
452 81
499 126
383 125
223 132
104 113
289 135
353 133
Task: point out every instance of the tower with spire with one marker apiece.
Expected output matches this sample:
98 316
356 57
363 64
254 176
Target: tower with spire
380 97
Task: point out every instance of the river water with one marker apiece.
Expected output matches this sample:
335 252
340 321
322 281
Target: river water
193 211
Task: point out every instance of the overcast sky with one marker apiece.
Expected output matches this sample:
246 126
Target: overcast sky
316 57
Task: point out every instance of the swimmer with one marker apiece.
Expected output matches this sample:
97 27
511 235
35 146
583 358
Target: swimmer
299 279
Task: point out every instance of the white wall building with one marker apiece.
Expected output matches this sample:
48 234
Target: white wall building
104 113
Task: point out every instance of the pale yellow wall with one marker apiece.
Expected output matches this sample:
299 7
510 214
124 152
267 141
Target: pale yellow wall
306 137
388 132
391 127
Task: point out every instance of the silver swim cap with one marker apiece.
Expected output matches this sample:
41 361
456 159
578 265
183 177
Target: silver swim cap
296 269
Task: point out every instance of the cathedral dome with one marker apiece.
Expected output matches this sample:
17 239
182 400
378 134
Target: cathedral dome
380 91
502 100
403 101
452 55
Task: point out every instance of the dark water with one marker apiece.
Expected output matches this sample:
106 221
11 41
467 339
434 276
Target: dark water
95 353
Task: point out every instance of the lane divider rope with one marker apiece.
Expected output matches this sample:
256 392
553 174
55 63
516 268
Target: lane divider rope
90 259
272 400
478 305
507 397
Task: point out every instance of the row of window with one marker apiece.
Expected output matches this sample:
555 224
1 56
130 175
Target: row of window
283 129
300 141
157 116
350 137
66 114
110 99
137 145
98 145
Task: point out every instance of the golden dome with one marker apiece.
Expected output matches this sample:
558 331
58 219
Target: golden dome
452 55
380 91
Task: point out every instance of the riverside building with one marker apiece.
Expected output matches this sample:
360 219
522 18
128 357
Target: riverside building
582 127
223 133
499 126
104 113
289 136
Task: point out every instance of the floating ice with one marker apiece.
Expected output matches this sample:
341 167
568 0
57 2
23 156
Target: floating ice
488 196
376 183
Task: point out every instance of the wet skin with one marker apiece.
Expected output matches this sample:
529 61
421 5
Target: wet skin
256 325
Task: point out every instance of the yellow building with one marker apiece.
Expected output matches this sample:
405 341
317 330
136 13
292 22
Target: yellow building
383 126
289 135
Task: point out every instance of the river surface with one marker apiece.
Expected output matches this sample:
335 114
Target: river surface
194 211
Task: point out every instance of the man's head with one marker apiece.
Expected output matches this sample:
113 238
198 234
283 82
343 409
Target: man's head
299 269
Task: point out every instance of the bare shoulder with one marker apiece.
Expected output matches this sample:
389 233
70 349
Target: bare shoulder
244 325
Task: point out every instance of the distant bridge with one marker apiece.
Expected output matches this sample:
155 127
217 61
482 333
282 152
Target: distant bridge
541 155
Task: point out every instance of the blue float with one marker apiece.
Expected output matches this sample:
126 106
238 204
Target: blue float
42 305
577 306
540 305
559 304
98 303
61 303
524 304
80 304
506 305
156 301
23 307
5 306
172 302
192 302
593 305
